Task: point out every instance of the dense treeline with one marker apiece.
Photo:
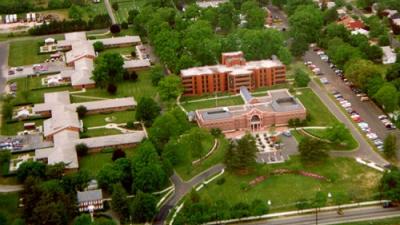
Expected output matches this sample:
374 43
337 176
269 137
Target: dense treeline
22 6
54 27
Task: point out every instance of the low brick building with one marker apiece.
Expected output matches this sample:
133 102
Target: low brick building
233 73
257 114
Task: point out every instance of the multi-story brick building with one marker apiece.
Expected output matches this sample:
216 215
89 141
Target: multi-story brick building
233 73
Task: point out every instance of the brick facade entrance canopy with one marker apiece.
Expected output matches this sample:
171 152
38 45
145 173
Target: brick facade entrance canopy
258 113
233 73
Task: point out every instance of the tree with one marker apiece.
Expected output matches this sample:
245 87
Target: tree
337 133
307 22
258 208
55 171
170 87
143 208
119 202
82 149
292 5
108 69
284 55
98 46
342 52
75 12
255 15
301 78
157 73
108 175
383 40
387 97
360 71
83 219
147 110
389 186
31 168
241 153
226 16
389 145
3 219
115 29
330 15
312 150
81 110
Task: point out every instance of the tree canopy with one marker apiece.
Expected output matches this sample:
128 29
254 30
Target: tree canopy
108 69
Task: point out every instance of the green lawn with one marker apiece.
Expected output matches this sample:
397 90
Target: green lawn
94 9
26 53
124 7
122 51
9 206
192 106
349 144
140 88
100 119
357 181
391 221
13 128
320 115
92 163
186 170
101 132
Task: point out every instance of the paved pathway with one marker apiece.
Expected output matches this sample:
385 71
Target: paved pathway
182 188
110 11
10 188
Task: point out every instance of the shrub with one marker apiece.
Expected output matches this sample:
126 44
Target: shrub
98 46
130 125
115 29
124 25
117 154
81 149
107 150
112 89
81 110
133 54
221 181
115 6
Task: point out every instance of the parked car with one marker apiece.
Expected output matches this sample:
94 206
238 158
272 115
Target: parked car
20 68
287 133
324 80
11 72
382 117
364 99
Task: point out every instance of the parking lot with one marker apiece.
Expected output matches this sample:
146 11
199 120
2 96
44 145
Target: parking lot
368 111
44 68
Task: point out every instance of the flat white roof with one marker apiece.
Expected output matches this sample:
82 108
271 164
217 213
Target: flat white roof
111 140
118 40
108 103
129 64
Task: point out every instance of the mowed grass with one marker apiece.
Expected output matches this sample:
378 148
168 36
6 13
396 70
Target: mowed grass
345 175
122 51
92 163
124 6
25 53
320 115
138 89
9 206
100 119
349 144
101 132
186 170
10 129
192 106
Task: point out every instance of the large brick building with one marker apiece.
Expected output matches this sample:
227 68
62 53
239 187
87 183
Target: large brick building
233 73
258 113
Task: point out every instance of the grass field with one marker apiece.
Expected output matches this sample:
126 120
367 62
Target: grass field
141 87
25 53
186 170
124 7
349 144
94 9
9 206
100 119
122 51
92 163
192 106
14 128
320 115
101 132
346 176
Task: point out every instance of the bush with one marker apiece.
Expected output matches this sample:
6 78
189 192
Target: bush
216 132
124 25
130 125
221 181
117 154
112 89
81 110
115 29
81 149
98 46
115 6
107 150
133 54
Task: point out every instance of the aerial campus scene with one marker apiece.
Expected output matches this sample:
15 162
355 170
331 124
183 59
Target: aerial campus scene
199 112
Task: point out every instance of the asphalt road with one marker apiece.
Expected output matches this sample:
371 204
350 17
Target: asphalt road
277 13
10 188
368 110
3 64
181 189
358 214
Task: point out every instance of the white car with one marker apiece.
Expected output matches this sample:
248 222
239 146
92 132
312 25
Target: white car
324 80
372 136
382 117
